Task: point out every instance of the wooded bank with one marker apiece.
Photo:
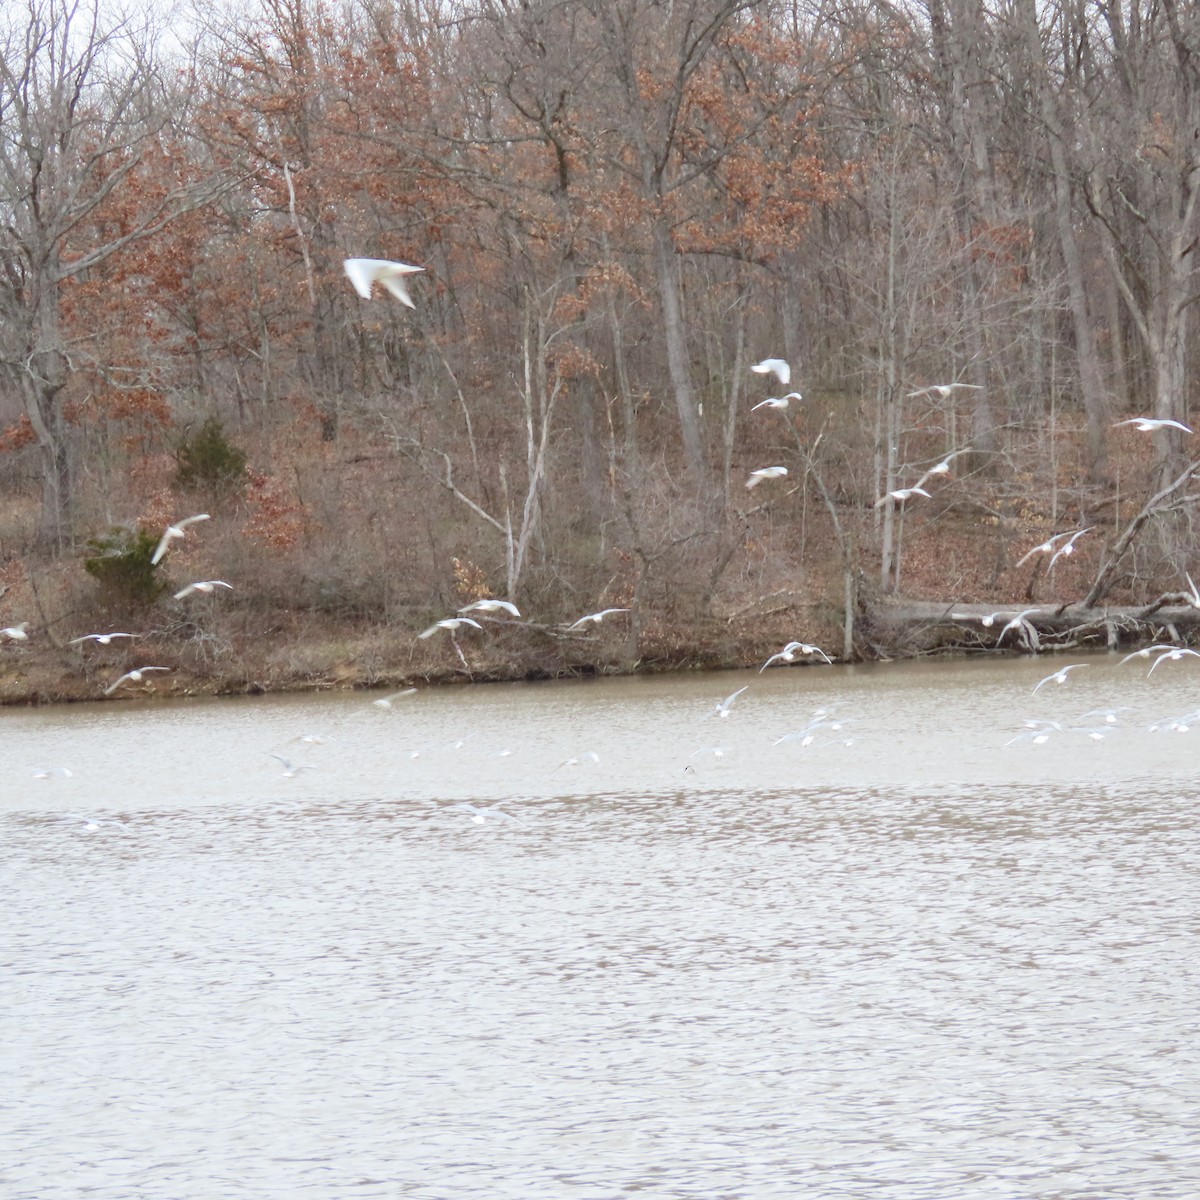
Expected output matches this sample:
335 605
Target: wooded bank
970 229
371 661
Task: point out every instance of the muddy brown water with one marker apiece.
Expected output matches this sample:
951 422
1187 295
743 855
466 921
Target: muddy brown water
899 958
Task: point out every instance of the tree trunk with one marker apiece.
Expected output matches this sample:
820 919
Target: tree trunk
670 297
1090 384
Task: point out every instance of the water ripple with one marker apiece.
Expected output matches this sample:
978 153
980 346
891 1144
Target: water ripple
746 989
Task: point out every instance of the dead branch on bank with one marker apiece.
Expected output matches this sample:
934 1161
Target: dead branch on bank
1155 505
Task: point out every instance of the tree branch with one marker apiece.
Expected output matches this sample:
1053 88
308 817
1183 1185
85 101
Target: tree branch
1152 506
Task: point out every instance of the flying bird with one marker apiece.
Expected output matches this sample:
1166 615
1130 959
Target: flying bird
91 824
101 639
942 468
1068 547
16 633
135 676
51 772
453 624
1107 715
1150 424
777 401
595 618
1038 732
574 761
715 751
1174 654
479 816
1146 651
1024 630
172 532
722 709
1194 595
489 606
756 477
900 495
789 652
290 769
386 701
1049 545
943 390
1059 676
206 586
365 272
774 366
821 721
990 620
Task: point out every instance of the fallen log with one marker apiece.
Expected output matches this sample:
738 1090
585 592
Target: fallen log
897 628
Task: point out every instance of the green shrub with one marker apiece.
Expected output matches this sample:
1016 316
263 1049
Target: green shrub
119 561
208 459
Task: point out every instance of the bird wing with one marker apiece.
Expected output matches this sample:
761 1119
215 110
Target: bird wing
778 366
192 520
365 272
499 812
161 548
361 272
492 606
1045 547
1068 546
398 287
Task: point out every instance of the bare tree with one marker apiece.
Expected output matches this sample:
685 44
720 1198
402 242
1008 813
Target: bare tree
81 103
1138 160
1051 101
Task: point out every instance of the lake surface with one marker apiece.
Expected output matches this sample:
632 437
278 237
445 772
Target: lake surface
898 956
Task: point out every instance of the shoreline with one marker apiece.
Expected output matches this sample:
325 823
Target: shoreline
377 659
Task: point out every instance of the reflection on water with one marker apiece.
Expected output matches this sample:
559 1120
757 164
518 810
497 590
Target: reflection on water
921 965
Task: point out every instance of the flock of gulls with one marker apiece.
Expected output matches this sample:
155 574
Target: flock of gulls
393 277
488 608
825 729
140 674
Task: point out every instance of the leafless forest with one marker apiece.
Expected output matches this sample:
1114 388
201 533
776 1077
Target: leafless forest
619 207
